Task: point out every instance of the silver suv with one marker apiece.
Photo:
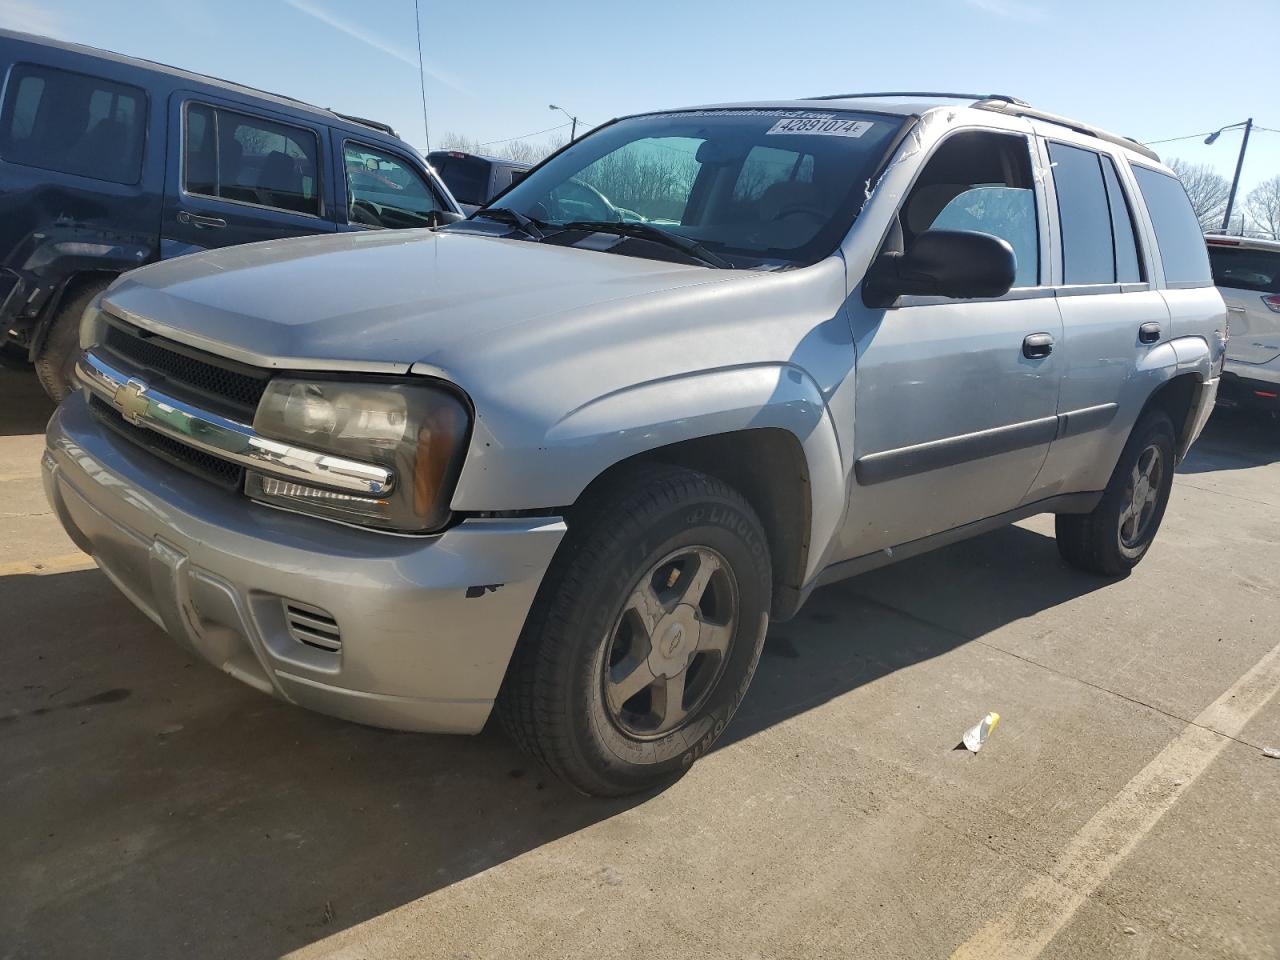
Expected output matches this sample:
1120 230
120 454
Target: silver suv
572 466
1247 272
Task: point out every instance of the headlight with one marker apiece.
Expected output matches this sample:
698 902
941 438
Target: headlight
91 323
417 431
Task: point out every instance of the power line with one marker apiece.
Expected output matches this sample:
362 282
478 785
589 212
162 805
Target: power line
1193 136
524 136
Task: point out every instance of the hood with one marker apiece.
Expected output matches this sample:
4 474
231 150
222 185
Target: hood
376 301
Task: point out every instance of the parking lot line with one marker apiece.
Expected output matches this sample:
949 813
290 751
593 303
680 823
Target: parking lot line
1045 905
57 564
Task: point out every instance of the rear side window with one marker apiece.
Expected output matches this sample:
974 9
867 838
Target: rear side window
1128 262
73 123
466 177
235 156
1245 269
1182 249
1088 254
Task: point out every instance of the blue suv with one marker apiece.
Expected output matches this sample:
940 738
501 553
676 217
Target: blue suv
109 162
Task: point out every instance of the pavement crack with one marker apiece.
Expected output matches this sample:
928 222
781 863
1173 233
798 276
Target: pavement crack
1182 482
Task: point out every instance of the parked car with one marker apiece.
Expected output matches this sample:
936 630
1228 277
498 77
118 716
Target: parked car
1247 272
575 468
108 163
473 179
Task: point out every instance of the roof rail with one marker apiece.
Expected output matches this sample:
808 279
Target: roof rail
1000 105
921 95
372 124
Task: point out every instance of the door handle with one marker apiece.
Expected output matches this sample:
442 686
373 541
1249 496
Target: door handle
200 222
1037 346
1149 332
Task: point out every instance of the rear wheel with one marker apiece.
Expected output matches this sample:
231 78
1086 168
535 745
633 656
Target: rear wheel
1112 539
56 362
645 635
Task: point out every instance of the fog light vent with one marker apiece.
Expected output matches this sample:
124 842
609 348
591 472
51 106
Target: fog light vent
312 626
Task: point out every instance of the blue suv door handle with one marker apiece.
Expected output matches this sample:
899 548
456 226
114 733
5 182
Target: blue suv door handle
202 222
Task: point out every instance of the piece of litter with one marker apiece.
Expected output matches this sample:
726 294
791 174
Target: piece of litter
1129 931
1272 752
977 735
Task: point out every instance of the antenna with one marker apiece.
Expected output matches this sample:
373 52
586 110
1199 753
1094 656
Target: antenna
422 74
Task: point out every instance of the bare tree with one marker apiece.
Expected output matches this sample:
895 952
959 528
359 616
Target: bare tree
1262 207
1207 189
521 151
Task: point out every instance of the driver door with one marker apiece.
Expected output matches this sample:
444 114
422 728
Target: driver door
954 412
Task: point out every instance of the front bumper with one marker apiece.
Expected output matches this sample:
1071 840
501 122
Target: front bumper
427 624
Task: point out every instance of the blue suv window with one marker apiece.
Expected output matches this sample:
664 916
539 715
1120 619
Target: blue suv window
235 156
73 123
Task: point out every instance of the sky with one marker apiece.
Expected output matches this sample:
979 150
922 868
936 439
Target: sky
1149 69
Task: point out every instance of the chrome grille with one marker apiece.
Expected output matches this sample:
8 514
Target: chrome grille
187 372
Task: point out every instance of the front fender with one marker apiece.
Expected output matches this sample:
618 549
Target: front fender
643 417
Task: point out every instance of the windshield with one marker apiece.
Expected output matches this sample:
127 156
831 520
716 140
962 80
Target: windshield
755 187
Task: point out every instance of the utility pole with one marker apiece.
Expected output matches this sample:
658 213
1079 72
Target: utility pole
573 131
1235 181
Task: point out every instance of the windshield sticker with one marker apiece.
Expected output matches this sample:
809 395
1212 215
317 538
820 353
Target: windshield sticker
817 126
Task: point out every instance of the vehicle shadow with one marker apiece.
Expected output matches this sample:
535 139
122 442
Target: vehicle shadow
24 407
154 806
1234 440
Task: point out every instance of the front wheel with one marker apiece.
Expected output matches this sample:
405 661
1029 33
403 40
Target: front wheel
645 634
56 362
1112 539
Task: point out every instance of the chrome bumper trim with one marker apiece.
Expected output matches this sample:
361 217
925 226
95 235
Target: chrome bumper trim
143 406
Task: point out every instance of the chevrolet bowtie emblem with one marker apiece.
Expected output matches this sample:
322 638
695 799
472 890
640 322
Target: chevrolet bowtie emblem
129 398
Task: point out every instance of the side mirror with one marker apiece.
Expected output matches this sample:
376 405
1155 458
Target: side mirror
943 263
441 217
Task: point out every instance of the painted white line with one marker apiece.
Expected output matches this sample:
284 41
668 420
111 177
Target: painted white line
1046 904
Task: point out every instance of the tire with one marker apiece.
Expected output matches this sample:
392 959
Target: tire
1114 538
570 697
56 363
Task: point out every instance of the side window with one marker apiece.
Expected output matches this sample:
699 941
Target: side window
384 191
1128 262
1182 249
235 156
1088 254
73 123
980 182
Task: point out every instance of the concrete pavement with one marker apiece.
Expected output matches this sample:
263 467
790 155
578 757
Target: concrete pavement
153 807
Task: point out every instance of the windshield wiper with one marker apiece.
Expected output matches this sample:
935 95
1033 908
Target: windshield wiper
646 231
513 217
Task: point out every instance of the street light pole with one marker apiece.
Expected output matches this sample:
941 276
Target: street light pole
573 131
1235 181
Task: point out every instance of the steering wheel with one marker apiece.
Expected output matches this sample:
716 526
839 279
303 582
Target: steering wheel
365 213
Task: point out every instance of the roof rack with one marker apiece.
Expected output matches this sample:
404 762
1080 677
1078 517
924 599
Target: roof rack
922 95
1020 109
1012 106
372 124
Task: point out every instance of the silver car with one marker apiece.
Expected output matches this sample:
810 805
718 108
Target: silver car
572 466
1247 272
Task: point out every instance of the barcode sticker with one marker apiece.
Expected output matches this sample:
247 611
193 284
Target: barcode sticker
821 126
